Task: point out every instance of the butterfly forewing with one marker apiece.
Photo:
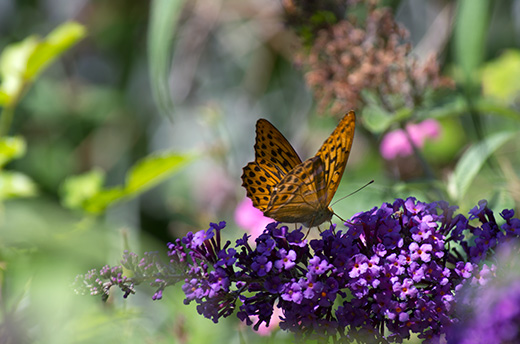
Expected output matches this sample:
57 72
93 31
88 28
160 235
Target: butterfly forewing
271 146
335 152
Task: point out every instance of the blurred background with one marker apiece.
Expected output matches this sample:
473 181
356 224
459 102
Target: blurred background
434 85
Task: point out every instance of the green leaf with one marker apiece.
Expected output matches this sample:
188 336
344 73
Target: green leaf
493 107
470 36
103 199
15 184
500 77
21 62
472 161
86 192
56 42
11 148
13 63
402 114
153 170
456 106
4 98
163 20
375 119
77 190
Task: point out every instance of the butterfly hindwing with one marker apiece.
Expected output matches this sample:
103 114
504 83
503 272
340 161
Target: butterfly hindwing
297 197
259 181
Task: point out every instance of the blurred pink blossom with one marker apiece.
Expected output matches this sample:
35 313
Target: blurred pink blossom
273 324
251 219
395 143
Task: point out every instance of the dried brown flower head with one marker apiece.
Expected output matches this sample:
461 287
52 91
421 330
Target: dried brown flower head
347 58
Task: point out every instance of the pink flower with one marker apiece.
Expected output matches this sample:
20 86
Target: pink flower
273 324
251 219
395 143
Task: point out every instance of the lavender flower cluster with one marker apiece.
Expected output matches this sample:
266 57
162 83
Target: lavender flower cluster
393 271
491 313
149 268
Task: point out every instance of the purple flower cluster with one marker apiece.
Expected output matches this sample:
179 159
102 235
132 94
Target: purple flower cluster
147 269
490 313
395 270
208 267
99 282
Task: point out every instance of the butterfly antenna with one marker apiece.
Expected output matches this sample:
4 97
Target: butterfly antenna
350 194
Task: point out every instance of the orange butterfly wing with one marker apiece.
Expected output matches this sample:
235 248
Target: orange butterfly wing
335 152
299 196
286 189
274 158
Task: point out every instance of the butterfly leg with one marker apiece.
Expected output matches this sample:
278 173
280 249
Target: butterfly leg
350 223
344 221
333 227
307 234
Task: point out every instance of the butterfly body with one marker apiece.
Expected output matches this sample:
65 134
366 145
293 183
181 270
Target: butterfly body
288 190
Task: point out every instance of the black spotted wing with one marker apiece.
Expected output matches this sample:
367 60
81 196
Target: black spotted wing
274 158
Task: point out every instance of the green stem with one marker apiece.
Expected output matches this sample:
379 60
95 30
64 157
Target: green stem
428 171
425 165
6 117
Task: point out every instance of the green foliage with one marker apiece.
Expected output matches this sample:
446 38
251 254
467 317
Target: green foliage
39 238
45 51
86 191
500 77
110 103
79 189
472 161
377 120
448 145
11 148
163 19
22 62
470 37
16 184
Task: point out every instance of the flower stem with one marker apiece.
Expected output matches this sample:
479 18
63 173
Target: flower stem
428 171
6 117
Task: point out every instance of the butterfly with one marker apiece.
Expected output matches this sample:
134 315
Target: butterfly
288 190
